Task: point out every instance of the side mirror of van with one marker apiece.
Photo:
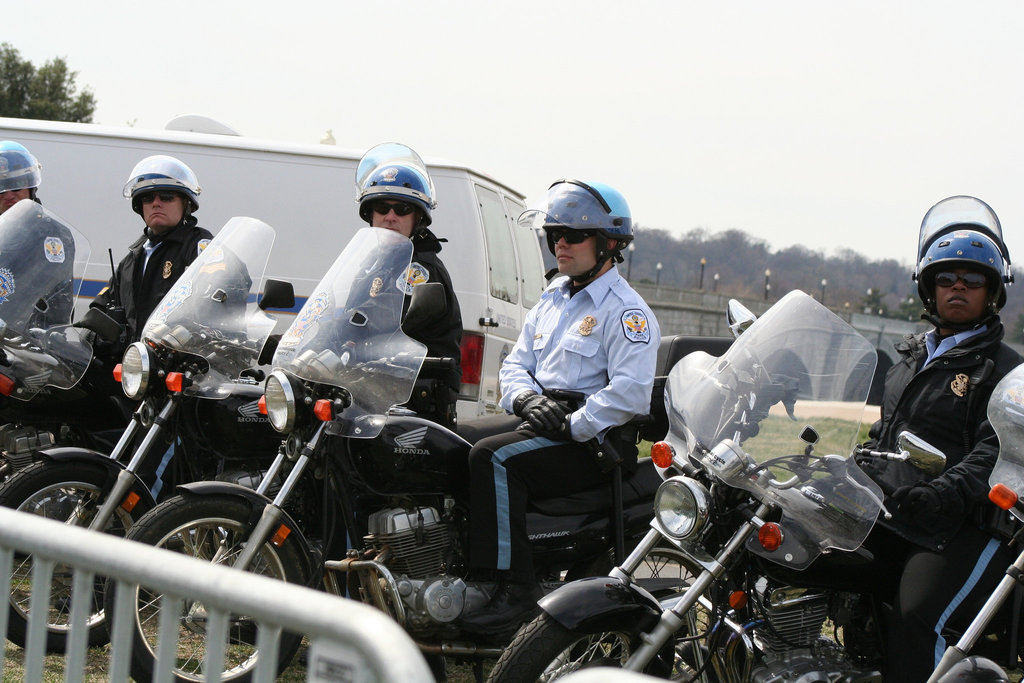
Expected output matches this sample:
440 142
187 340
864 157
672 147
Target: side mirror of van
427 303
277 294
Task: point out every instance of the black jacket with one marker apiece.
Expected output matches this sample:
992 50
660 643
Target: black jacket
944 404
138 293
442 336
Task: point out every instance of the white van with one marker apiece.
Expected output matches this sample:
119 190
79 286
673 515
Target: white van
307 193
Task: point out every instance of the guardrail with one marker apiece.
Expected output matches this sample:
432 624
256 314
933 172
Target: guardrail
348 640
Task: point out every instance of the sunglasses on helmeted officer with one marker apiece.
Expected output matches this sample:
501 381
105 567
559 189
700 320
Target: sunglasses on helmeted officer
570 236
400 208
970 280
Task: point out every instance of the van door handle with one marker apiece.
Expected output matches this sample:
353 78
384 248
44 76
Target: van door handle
488 322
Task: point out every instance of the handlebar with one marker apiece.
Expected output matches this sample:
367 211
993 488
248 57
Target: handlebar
441 363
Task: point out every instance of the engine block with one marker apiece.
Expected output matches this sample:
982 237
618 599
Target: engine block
416 539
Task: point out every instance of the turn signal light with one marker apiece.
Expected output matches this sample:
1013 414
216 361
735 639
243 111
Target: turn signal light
323 410
737 599
174 381
280 535
117 373
263 404
662 454
6 385
1003 496
770 536
130 501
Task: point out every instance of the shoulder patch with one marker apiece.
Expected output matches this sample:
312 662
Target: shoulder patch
635 327
53 247
414 275
201 246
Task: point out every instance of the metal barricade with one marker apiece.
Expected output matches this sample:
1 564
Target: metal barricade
349 641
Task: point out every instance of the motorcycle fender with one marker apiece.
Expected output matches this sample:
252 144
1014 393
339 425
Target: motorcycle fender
113 469
601 603
256 503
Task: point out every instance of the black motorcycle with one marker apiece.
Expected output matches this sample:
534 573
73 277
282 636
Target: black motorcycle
374 500
51 390
195 375
764 500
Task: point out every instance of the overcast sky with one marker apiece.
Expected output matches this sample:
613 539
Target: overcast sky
824 123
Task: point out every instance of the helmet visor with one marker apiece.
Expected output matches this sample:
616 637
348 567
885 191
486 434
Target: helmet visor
568 205
402 157
161 172
961 211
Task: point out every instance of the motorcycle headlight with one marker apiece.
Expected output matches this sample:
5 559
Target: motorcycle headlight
681 507
136 371
280 394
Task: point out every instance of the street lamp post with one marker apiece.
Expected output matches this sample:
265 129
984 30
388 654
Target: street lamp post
703 261
714 283
767 282
629 260
823 283
657 280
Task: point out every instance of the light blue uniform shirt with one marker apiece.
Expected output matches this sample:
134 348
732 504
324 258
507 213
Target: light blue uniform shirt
937 347
602 342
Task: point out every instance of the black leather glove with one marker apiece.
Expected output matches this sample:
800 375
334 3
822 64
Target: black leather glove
921 504
546 416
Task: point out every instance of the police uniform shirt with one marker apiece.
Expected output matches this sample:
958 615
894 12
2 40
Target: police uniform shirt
602 342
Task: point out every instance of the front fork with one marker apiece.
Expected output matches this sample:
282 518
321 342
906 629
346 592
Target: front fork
126 478
270 517
674 617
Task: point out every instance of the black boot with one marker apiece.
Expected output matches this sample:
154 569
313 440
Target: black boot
513 603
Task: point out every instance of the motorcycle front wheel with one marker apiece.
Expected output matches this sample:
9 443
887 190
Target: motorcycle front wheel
69 492
544 650
214 529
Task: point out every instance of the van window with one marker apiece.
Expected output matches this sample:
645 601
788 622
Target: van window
500 251
530 263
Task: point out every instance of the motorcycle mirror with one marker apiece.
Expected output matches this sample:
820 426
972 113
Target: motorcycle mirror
739 317
427 303
921 454
277 294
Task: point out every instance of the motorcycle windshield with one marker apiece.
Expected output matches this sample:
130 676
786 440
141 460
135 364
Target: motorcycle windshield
745 418
349 332
1006 412
42 261
211 311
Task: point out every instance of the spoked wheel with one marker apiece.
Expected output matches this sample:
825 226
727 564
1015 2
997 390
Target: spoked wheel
211 528
544 650
69 492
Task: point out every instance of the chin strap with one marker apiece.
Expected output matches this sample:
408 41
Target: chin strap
939 323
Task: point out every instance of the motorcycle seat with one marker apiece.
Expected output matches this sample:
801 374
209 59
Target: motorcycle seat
636 488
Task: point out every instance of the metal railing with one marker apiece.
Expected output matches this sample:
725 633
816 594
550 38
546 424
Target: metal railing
348 640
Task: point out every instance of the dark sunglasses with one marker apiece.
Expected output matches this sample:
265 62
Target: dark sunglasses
570 236
400 208
164 197
970 280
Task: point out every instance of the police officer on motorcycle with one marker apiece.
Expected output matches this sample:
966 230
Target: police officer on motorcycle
590 333
942 548
165 192
20 175
395 192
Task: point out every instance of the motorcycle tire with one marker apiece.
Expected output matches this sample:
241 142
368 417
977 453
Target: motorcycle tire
59 491
210 528
544 650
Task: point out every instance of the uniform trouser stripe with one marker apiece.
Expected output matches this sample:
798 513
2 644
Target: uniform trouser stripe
501 498
979 569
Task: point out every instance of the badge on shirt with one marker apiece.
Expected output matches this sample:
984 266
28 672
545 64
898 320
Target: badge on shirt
959 384
6 284
414 275
53 247
635 327
168 266
587 325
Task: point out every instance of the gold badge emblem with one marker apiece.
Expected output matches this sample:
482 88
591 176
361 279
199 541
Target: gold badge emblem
167 269
376 286
959 384
587 326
